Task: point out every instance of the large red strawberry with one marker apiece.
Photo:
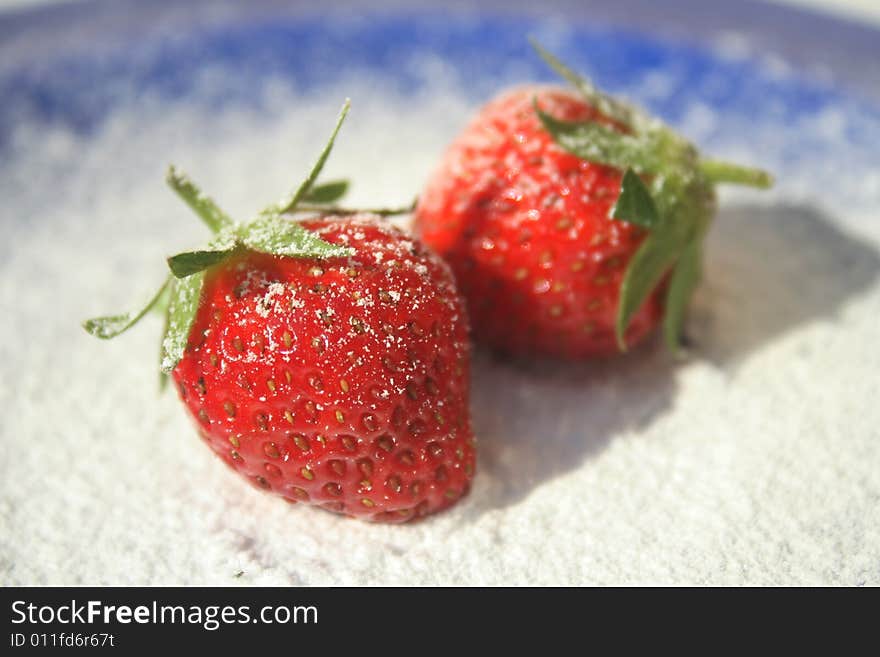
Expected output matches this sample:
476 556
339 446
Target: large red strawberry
573 222
325 360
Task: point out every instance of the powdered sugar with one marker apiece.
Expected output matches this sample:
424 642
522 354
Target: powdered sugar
270 301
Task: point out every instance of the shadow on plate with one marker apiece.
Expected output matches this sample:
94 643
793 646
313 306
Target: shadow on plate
771 269
768 270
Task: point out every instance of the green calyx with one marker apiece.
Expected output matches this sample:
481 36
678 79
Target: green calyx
667 189
269 232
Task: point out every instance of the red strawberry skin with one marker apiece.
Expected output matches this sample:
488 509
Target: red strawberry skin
525 226
342 383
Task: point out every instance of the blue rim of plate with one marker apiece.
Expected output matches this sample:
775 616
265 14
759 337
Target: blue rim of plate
73 64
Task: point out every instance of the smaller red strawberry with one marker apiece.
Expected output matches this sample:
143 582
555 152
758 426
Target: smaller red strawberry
325 360
573 222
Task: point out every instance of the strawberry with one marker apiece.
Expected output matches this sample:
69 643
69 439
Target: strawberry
573 222
325 360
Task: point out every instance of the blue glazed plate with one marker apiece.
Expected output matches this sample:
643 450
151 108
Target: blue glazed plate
754 461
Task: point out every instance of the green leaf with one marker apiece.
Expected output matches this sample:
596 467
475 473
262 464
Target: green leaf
163 376
112 325
161 305
307 184
610 107
635 204
684 280
598 143
654 257
327 192
202 205
685 205
269 233
181 315
719 171
191 262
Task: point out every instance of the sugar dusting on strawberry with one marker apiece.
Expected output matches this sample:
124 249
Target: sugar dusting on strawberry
526 226
341 382
573 222
325 359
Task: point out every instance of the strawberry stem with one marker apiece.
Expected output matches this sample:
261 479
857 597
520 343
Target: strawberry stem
305 187
610 107
719 171
336 210
202 205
